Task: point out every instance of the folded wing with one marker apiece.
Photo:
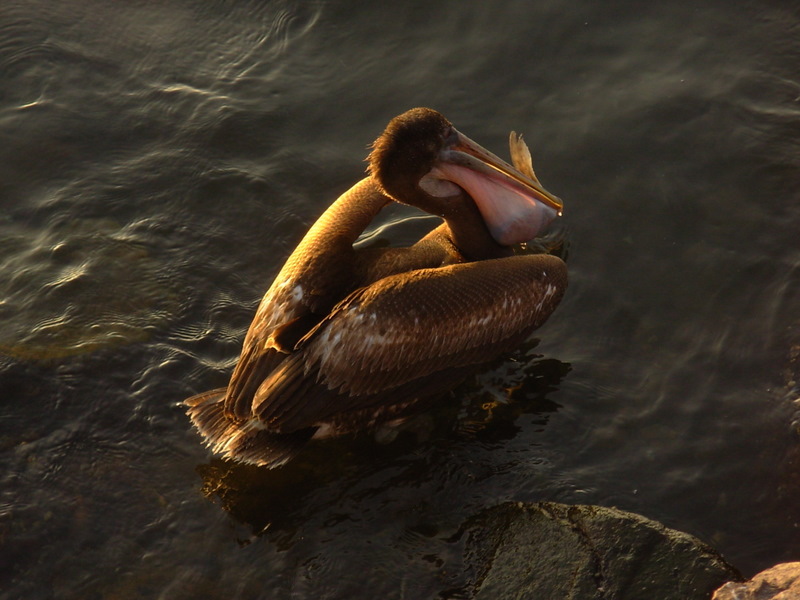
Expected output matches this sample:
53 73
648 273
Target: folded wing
399 336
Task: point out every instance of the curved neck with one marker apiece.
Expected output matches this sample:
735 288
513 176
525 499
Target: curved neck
351 213
469 233
331 237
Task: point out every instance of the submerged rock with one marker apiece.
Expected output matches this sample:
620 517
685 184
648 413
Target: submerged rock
781 582
550 550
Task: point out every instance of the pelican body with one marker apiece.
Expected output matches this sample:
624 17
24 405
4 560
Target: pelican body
348 339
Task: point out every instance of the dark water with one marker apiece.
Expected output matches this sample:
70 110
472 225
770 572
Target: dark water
158 160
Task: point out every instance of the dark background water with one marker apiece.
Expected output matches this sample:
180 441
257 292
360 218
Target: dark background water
158 161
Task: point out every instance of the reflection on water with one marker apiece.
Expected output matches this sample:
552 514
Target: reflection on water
276 501
390 500
158 164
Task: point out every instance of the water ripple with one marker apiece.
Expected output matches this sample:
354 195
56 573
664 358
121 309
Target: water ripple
77 290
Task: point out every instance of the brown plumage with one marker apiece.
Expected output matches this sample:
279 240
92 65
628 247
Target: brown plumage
347 339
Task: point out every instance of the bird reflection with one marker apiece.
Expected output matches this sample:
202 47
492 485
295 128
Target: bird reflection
278 502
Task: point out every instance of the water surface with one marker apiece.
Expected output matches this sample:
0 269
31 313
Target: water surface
158 161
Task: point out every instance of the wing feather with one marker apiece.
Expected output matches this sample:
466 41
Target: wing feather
403 330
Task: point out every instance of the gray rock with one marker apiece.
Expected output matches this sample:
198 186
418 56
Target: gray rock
557 551
781 582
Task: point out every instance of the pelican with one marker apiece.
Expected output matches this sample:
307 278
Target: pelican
351 339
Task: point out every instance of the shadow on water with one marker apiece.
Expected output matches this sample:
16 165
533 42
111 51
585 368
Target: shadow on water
483 411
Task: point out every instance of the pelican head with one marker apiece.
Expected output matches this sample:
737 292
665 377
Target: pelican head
422 160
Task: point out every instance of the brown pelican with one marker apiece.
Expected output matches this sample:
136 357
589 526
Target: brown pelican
348 339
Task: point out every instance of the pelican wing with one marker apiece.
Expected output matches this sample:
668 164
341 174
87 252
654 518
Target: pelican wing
395 337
